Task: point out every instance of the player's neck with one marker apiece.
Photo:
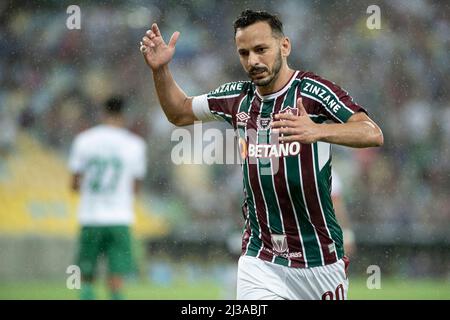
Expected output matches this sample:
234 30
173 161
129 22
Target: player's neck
283 78
114 122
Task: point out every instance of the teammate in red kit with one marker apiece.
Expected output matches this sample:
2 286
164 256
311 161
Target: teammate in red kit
292 246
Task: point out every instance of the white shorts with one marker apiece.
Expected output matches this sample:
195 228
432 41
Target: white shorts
261 280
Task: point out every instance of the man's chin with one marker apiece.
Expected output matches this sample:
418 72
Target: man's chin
263 81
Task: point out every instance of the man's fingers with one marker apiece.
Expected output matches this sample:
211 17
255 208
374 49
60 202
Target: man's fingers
285 116
301 107
148 42
155 36
143 48
284 123
173 39
150 34
284 130
289 138
155 29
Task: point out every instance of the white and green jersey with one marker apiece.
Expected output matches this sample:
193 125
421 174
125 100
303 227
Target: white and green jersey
109 159
289 214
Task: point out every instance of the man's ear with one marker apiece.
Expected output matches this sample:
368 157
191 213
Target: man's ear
285 47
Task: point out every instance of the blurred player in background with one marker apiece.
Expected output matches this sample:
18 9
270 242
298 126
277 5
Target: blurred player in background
340 209
108 162
292 246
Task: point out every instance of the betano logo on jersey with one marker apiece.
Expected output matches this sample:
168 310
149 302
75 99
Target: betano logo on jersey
265 150
273 150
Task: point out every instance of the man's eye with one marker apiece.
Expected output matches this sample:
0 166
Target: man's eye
260 50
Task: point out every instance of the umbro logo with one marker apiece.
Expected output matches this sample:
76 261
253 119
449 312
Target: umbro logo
242 117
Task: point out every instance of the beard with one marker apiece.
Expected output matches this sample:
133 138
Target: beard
273 74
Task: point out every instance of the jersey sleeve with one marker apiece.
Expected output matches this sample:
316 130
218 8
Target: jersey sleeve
330 99
219 105
76 157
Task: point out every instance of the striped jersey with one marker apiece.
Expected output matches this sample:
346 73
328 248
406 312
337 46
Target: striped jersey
288 211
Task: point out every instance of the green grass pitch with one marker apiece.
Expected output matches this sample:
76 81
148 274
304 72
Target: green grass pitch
390 289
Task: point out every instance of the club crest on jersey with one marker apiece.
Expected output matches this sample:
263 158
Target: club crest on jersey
290 110
242 118
279 243
263 123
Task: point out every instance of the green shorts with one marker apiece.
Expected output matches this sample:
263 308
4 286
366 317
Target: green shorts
114 242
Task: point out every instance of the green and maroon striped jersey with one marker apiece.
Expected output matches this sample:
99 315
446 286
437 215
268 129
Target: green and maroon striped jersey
289 213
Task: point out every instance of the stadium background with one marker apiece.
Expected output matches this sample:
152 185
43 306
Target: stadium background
53 81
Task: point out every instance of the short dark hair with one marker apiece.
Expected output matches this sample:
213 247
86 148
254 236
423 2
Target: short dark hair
249 17
114 105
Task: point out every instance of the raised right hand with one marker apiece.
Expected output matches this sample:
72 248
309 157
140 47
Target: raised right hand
154 49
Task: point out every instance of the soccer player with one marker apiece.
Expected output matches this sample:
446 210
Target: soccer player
107 162
292 246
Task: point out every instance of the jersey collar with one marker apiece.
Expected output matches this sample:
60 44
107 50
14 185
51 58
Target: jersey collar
279 92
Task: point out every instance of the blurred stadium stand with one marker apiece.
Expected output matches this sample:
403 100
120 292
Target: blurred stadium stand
53 80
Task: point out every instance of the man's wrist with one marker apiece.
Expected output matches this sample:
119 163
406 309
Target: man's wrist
322 132
161 70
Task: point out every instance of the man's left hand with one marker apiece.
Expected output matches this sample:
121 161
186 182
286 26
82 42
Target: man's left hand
296 128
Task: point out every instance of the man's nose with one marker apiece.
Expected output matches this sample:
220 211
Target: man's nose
253 60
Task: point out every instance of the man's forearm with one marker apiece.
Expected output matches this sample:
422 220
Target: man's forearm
172 99
358 134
